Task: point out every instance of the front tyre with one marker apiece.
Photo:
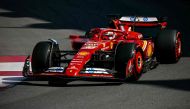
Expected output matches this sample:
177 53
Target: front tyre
133 68
128 62
45 54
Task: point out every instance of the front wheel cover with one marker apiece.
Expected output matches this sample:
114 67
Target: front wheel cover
178 49
134 67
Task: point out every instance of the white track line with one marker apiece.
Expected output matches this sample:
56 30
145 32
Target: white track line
11 66
7 81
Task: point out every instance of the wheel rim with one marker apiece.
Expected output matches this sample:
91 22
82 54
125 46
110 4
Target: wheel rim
178 48
138 62
129 68
134 65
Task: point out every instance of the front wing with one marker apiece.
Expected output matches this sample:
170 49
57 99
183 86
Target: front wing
59 72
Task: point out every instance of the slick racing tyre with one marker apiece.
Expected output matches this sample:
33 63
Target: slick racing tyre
128 61
45 55
168 46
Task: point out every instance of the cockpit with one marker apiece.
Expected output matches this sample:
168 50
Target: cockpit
108 35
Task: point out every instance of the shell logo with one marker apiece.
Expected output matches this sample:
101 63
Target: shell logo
83 53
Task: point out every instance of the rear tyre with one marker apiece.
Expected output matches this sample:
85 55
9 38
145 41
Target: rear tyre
45 55
168 46
128 62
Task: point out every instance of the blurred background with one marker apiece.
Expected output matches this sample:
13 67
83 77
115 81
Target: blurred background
59 18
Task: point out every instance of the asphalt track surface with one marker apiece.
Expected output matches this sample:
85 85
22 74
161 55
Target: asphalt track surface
22 24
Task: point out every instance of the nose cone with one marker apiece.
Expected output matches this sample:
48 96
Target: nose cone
78 62
84 55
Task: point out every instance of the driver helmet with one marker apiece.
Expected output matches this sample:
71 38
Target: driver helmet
109 35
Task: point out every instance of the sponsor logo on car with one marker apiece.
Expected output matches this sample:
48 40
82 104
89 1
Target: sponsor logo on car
90 45
96 71
55 69
83 53
145 19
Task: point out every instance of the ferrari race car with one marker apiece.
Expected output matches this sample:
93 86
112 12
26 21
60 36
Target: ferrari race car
128 47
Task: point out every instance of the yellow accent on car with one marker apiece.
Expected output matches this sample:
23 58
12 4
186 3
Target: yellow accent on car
144 45
149 50
111 45
83 53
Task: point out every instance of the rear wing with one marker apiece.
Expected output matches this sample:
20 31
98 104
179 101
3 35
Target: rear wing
143 21
139 20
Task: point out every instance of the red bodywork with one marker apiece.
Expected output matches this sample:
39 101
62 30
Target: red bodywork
88 46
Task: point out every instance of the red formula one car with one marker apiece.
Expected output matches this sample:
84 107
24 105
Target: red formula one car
129 46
